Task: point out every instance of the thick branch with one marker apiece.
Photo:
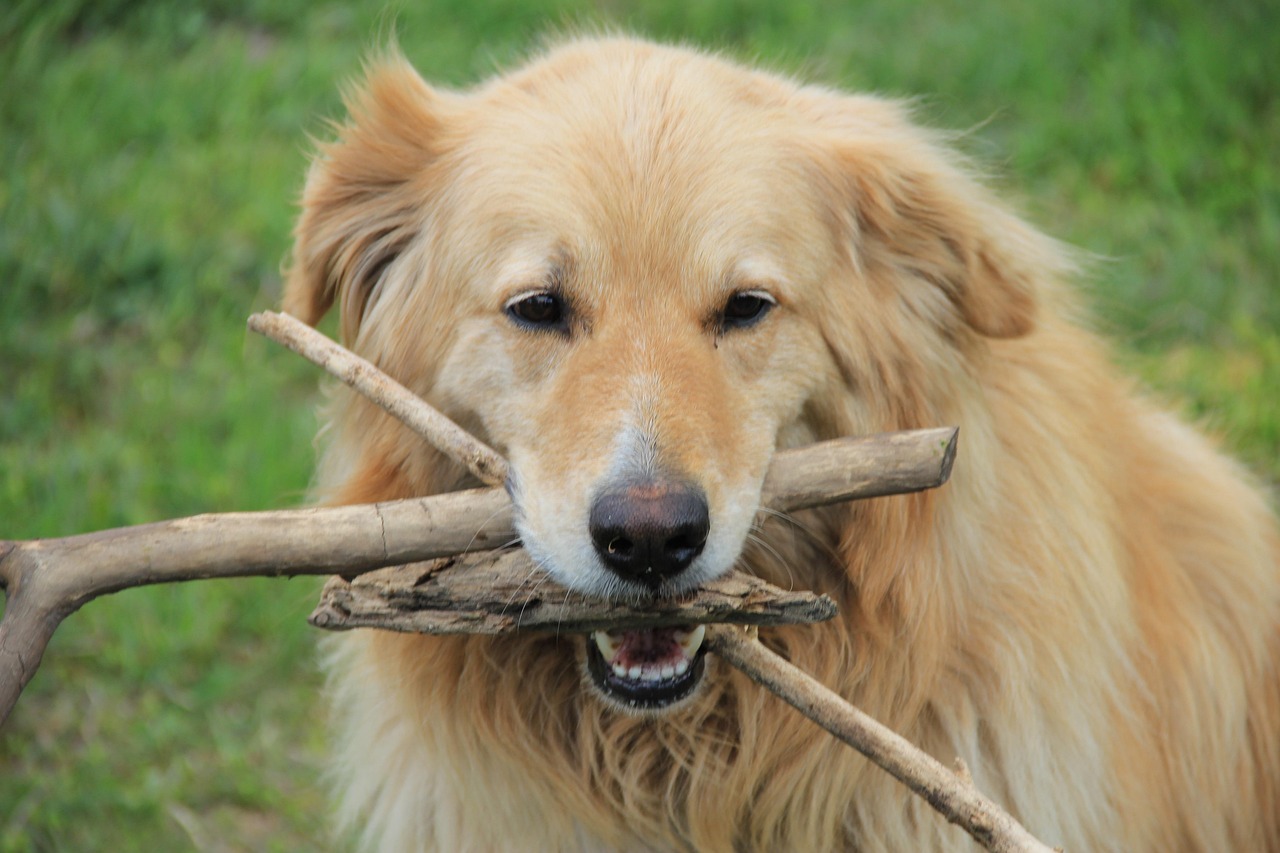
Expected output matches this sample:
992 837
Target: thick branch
505 592
407 407
892 463
48 579
950 793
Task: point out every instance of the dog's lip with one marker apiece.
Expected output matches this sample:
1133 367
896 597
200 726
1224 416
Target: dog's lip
647 668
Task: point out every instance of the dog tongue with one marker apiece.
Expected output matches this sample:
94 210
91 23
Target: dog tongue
653 645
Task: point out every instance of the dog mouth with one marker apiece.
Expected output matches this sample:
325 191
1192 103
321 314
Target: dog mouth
648 669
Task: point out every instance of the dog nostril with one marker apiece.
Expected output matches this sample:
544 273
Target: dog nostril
649 531
677 545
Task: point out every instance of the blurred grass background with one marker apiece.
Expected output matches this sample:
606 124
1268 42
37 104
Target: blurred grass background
152 153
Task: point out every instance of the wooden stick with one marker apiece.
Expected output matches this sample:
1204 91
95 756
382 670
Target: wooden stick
505 592
891 463
47 580
951 793
451 439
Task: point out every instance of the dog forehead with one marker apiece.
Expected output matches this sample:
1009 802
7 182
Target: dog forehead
624 77
627 155
634 116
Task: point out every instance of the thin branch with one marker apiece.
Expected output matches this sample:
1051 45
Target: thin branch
950 793
397 400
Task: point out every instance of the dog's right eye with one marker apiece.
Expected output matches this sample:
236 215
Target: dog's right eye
540 310
746 308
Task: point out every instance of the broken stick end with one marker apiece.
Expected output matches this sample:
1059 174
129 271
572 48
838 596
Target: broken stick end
948 455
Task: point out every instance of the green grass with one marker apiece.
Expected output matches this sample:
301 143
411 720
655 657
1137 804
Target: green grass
152 153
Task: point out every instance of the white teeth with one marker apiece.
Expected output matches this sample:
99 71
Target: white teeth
606 644
691 641
610 644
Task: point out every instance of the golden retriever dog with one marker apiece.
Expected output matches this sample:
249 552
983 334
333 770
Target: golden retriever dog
638 271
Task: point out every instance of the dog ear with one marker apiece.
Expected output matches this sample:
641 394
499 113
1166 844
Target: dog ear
918 212
365 195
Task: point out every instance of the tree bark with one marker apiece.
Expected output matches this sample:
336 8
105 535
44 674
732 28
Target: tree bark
504 592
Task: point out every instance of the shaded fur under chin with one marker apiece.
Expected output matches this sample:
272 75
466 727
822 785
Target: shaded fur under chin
520 748
471 742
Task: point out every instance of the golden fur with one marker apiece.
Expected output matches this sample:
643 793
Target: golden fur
1086 614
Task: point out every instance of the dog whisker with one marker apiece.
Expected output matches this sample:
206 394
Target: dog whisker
778 559
533 593
563 606
540 575
530 576
796 526
490 517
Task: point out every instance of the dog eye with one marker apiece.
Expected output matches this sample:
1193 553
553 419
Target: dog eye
746 308
540 310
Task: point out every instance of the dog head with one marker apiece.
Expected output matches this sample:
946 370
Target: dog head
637 271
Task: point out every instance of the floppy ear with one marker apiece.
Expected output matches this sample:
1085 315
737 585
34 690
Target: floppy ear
364 196
918 212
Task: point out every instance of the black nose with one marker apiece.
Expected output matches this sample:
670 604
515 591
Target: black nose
649 532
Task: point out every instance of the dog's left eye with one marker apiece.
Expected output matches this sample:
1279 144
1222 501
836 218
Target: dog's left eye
746 308
540 310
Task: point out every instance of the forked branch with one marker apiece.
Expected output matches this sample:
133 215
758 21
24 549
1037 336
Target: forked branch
45 581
